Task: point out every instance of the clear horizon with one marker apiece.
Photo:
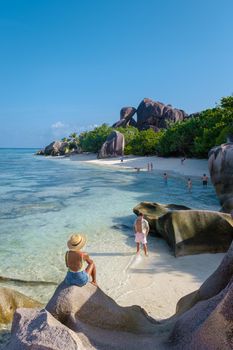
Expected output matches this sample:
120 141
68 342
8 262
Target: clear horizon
66 67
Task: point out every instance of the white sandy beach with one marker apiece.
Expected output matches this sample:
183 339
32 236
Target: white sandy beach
190 167
157 282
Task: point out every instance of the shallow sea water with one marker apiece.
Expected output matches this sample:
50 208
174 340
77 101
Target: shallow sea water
44 200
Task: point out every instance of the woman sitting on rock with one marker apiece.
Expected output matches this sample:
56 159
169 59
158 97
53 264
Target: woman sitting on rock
77 274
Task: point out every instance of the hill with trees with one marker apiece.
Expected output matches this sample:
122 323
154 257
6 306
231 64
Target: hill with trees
193 136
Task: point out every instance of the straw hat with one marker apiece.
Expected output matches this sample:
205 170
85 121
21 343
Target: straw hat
76 242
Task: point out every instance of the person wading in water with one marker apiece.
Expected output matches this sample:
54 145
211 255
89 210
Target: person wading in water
141 229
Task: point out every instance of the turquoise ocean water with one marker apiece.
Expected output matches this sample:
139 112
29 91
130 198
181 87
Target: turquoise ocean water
44 200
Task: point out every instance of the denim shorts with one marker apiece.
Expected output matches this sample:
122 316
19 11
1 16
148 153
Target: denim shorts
76 278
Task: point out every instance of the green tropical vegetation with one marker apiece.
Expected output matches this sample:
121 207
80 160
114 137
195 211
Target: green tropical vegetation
91 141
193 137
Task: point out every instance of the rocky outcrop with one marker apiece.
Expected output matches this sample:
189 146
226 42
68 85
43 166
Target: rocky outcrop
126 117
40 152
113 146
10 300
196 231
221 170
127 112
60 148
86 318
188 231
156 115
205 317
150 114
56 148
153 211
92 306
38 329
83 318
217 282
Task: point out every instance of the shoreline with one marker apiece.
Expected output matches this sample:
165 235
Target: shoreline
157 282
191 166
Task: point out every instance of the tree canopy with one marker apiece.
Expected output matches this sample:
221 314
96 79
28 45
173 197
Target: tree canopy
192 137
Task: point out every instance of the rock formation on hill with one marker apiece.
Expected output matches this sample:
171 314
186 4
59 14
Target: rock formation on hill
156 115
86 318
188 231
126 117
221 170
150 114
113 146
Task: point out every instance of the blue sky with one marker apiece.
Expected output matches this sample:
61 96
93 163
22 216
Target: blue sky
69 65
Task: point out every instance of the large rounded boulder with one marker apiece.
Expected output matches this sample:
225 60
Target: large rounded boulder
196 231
221 170
86 318
156 115
126 117
127 112
56 148
10 300
113 146
90 305
38 329
204 318
153 211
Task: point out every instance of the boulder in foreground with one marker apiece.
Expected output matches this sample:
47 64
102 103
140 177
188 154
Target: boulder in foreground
83 318
86 318
89 304
205 317
10 300
38 329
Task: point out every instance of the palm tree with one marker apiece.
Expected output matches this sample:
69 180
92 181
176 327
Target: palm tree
73 135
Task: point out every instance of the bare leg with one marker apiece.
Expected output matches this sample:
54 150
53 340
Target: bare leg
138 248
91 270
145 249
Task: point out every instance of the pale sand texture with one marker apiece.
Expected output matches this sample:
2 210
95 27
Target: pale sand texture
157 282
190 167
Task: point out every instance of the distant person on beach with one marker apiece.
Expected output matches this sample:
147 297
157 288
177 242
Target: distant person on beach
148 166
76 260
189 184
151 166
205 180
182 161
122 158
165 177
141 229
